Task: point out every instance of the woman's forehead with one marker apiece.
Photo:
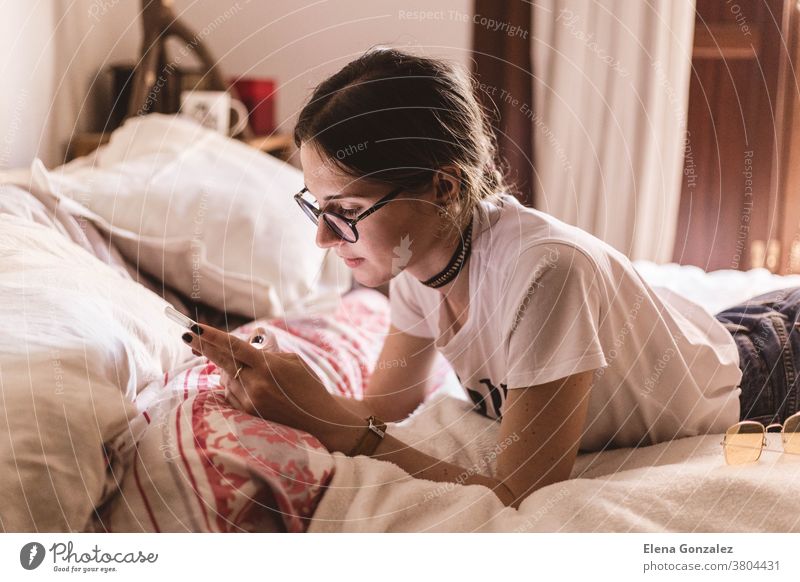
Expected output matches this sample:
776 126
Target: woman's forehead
319 168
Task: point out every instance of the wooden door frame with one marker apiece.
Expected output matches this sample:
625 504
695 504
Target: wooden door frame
787 174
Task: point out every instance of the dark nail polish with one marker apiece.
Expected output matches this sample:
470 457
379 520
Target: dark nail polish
197 329
187 337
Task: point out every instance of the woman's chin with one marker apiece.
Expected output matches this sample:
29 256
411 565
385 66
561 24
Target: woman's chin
367 279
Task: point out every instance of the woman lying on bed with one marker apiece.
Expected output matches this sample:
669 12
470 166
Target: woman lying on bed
550 330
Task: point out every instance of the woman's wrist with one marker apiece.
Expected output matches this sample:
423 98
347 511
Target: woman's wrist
357 407
344 435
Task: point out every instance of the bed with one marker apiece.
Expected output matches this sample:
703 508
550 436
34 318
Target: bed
110 424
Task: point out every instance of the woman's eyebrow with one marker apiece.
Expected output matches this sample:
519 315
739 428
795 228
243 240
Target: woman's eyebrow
340 196
337 197
355 196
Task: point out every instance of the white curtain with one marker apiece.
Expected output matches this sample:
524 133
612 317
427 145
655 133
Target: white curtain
611 83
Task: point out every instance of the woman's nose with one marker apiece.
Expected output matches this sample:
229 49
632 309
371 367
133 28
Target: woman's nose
325 236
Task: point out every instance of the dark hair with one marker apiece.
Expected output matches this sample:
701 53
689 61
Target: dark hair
397 118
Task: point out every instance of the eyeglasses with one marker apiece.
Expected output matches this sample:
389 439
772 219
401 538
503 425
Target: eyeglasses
745 440
341 226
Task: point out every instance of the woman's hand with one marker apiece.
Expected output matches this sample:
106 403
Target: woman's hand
277 386
260 339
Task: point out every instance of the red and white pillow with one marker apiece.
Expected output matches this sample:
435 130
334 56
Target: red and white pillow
193 463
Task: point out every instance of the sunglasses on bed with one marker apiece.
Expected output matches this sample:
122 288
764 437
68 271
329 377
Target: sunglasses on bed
341 226
745 440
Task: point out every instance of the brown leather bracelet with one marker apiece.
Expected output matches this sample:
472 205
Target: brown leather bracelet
376 430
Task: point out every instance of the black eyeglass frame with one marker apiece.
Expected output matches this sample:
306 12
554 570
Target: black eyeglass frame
306 206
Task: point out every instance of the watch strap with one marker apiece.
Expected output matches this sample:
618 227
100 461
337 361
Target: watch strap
372 437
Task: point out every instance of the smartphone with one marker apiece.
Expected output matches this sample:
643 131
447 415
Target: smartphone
179 317
188 322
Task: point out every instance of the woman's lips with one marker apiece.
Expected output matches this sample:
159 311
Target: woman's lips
352 263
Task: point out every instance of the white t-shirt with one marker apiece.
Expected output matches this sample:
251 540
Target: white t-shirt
548 300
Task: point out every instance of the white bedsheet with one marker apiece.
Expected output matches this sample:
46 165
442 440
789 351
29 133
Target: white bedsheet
683 485
716 290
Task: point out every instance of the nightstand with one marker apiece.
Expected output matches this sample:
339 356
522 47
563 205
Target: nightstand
280 145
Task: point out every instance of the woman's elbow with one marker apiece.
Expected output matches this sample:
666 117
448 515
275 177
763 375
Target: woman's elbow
389 409
512 499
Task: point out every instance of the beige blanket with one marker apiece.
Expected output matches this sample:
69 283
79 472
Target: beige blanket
682 486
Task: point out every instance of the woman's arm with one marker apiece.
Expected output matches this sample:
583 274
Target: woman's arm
399 380
542 424
540 434
357 407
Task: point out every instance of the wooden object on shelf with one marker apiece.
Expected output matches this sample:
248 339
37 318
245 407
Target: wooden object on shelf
160 23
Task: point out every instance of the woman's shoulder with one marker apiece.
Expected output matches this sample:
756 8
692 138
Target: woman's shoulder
504 218
513 232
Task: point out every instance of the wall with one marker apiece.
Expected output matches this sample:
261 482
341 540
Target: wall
54 54
300 43
27 82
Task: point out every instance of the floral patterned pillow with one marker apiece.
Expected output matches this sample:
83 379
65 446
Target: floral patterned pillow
193 463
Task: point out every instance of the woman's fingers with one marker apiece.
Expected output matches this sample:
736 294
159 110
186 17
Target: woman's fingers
246 371
230 396
223 341
234 391
220 356
238 389
235 359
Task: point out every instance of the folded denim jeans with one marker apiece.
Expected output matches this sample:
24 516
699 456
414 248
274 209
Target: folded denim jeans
767 335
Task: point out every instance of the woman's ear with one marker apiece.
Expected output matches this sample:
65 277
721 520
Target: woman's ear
447 185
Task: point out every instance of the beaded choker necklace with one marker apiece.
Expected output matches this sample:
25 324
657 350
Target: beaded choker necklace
457 261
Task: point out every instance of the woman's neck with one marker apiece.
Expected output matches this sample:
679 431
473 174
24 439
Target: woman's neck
456 292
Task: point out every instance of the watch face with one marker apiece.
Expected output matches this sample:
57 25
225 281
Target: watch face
377 428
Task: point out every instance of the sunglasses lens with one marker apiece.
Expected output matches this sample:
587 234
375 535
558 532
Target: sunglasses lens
743 443
791 434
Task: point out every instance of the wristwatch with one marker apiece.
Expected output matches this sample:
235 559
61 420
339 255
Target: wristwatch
376 430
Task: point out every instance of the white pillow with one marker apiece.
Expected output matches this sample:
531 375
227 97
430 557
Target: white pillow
209 215
79 342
